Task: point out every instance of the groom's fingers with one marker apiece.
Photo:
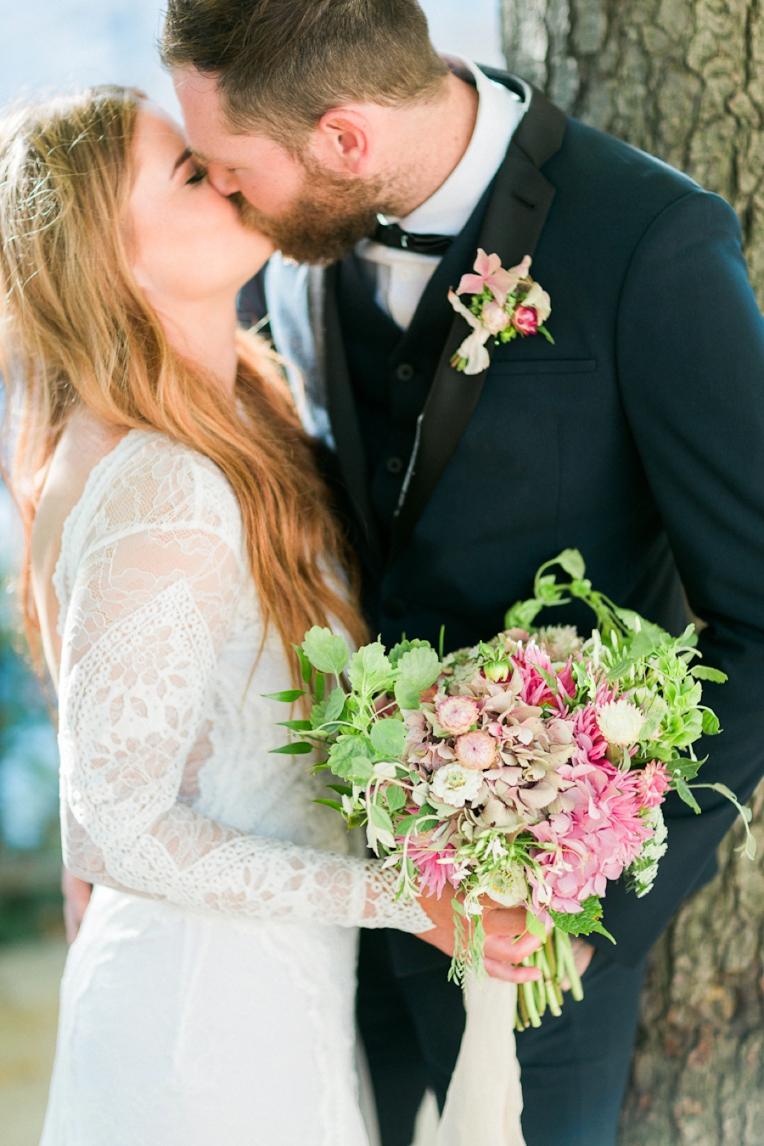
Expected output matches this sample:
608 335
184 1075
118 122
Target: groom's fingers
510 974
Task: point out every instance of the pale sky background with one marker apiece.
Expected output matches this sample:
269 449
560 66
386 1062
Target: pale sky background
46 45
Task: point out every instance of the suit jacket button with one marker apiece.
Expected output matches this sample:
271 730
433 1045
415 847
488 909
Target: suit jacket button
405 372
395 607
394 465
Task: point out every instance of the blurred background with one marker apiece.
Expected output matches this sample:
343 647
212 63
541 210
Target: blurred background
47 46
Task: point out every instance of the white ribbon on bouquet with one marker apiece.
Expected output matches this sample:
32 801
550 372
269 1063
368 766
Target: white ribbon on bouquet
485 1098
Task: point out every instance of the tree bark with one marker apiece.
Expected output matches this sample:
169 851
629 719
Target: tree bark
683 80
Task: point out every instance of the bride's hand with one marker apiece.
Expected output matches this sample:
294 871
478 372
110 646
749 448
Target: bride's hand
507 940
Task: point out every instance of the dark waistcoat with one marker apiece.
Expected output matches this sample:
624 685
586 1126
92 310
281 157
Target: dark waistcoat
391 370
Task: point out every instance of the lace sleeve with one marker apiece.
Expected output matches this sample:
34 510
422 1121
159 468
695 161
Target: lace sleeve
148 613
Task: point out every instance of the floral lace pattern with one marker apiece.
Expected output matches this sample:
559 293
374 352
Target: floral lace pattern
168 789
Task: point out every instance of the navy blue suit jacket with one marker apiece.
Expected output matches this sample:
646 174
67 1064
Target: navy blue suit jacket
638 438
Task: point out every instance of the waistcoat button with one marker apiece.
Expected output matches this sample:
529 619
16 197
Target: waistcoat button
405 372
394 465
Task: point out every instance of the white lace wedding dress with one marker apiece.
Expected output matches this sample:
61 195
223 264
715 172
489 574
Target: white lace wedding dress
208 997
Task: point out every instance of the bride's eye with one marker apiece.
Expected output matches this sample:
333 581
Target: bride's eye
198 174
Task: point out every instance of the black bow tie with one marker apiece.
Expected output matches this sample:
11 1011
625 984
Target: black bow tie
391 235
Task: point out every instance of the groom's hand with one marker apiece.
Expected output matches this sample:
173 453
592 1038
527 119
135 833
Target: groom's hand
507 940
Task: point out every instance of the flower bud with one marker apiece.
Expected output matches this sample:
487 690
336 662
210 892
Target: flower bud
525 320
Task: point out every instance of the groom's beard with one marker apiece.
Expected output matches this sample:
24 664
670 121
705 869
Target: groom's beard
326 221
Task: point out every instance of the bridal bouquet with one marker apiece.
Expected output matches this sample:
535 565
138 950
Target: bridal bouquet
529 770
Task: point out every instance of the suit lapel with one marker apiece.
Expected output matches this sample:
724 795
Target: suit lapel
343 416
511 228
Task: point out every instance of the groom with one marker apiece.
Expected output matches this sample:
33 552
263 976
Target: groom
637 437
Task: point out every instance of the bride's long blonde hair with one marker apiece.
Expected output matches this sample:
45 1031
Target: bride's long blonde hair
77 329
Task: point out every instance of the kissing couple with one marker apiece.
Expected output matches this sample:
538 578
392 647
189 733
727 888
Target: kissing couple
197 496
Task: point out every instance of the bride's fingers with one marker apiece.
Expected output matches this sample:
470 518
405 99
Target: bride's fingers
504 920
510 974
510 950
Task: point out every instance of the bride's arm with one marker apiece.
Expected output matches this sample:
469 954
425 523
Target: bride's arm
148 614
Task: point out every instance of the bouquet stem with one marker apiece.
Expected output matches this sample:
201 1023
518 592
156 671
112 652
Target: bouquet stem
557 964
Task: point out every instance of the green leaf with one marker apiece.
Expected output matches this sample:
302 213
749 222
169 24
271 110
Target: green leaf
298 748
334 705
682 789
289 696
358 769
396 798
425 815
330 804
341 789
534 925
405 646
326 651
584 921
711 724
295 725
704 672
388 737
419 668
306 669
380 819
370 671
522 614
320 687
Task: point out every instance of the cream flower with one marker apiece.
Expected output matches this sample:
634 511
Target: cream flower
540 301
620 722
452 784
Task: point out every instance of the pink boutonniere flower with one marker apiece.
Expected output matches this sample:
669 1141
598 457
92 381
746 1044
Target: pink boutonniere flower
505 304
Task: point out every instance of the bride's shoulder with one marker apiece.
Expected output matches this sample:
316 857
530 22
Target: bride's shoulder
150 481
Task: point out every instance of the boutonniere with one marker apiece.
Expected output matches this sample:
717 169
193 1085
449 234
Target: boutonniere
504 304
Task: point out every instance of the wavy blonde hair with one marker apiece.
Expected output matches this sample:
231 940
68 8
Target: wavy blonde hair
77 329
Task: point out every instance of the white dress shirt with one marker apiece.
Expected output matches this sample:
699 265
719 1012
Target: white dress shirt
400 277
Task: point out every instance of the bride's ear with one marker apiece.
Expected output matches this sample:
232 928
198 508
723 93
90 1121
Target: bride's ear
344 140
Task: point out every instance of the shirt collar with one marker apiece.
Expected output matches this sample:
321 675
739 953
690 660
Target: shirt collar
499 113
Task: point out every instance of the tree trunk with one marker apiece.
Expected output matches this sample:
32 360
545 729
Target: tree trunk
683 80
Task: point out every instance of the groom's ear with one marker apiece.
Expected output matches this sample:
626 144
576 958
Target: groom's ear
344 140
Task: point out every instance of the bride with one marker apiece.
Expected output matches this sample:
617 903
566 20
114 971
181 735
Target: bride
180 540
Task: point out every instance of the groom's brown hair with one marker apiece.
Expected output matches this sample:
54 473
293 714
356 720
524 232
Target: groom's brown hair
281 64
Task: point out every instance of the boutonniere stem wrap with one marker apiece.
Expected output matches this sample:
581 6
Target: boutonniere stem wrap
504 304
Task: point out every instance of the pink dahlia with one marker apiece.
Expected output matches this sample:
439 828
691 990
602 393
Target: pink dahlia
435 866
652 783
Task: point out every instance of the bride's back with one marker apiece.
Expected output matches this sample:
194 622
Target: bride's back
84 442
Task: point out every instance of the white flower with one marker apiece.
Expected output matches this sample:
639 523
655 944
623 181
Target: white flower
509 888
620 722
643 871
454 785
473 347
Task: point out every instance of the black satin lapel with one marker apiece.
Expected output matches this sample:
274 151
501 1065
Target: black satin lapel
511 228
344 419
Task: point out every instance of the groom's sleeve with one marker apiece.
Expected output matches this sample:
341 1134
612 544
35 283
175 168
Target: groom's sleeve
690 346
